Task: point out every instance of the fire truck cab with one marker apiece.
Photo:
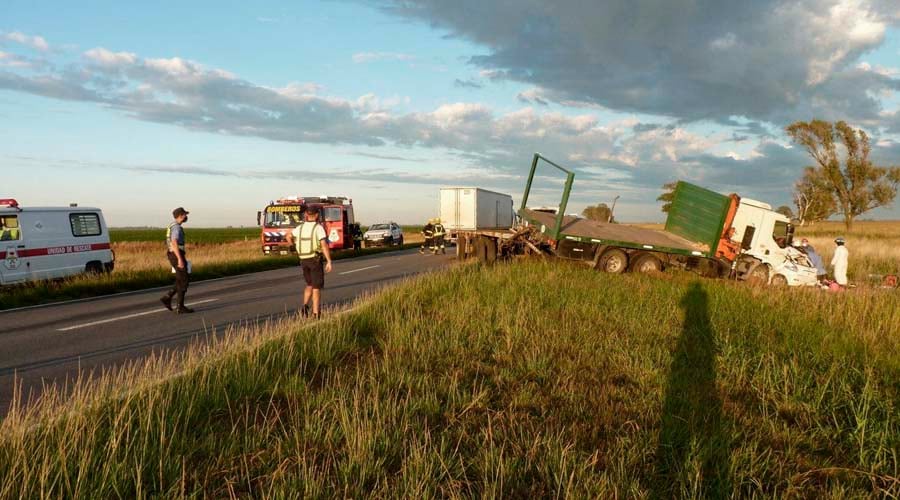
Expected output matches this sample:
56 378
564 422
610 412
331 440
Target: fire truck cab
280 217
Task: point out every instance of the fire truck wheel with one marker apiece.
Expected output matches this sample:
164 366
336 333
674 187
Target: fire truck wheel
614 261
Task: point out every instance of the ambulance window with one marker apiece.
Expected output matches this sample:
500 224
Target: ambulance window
9 228
332 214
85 224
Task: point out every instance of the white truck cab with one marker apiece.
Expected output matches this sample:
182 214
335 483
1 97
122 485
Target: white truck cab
766 237
39 243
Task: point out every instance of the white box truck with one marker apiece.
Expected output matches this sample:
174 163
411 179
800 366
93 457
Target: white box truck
51 242
472 209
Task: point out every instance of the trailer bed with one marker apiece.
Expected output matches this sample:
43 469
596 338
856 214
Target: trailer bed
618 234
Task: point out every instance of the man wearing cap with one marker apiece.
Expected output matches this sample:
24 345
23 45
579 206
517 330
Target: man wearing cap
839 261
175 254
311 243
814 258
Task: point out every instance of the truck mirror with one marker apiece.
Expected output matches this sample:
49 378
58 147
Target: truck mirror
789 237
258 217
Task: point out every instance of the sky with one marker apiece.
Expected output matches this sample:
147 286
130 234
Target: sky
140 107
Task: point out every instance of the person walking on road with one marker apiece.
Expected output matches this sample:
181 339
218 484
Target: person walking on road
428 234
839 261
814 258
438 241
177 258
312 245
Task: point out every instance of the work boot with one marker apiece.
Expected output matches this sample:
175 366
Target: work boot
166 301
184 310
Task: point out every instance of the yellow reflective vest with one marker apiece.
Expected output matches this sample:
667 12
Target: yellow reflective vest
307 245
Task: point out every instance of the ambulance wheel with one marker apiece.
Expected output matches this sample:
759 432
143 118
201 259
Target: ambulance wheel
613 261
647 264
94 267
779 280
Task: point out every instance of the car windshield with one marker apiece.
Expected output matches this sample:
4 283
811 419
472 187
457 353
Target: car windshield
282 216
379 227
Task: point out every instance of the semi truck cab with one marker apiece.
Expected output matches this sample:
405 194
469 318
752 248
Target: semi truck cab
766 237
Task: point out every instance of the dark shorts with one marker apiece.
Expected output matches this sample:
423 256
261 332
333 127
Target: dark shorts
313 272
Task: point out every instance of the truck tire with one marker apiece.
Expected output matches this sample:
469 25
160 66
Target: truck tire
613 261
758 274
646 263
461 247
485 250
779 280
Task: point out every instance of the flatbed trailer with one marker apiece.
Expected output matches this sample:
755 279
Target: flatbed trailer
697 235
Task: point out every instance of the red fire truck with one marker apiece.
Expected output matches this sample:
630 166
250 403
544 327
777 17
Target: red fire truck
280 217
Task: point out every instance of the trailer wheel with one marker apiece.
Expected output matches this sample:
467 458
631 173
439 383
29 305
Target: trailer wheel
485 250
758 274
614 261
461 247
779 280
647 263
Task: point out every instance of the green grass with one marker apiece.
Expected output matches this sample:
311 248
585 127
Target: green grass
195 234
83 286
525 380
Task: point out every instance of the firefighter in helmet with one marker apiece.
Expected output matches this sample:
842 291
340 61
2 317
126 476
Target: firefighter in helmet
438 241
428 234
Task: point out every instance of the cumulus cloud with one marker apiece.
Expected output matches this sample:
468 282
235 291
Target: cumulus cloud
467 84
34 42
768 60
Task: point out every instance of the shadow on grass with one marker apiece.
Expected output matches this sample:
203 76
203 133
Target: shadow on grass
693 453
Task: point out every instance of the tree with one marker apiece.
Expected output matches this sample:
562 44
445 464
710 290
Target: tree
599 212
856 184
785 211
668 196
812 197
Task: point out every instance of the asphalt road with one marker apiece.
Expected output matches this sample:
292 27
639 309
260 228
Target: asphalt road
50 344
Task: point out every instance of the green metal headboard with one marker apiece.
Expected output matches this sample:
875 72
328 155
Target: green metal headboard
561 212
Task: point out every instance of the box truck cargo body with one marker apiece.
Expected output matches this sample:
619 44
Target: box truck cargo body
471 208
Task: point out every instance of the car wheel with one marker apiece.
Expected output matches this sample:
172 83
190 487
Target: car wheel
779 280
401 241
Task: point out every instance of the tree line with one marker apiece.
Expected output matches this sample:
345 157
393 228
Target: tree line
843 181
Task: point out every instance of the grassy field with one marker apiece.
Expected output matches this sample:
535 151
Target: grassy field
523 380
206 235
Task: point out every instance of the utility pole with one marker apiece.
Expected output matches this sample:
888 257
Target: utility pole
613 209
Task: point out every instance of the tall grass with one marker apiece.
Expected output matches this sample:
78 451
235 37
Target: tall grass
523 380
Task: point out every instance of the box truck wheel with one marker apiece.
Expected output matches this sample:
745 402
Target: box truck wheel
647 263
614 261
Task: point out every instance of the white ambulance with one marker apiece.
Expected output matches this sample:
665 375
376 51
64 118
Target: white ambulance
51 242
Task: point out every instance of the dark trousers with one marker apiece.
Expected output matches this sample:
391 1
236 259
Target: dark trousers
181 279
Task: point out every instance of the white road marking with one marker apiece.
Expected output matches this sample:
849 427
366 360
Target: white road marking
360 269
128 316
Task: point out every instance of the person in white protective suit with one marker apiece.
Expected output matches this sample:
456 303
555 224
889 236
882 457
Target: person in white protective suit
839 262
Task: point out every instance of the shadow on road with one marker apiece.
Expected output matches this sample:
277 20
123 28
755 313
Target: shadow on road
693 454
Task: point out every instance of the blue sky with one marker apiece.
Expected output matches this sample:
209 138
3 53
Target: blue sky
140 108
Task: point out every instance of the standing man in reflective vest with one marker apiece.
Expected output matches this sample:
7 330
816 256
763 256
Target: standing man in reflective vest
311 243
176 255
439 233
